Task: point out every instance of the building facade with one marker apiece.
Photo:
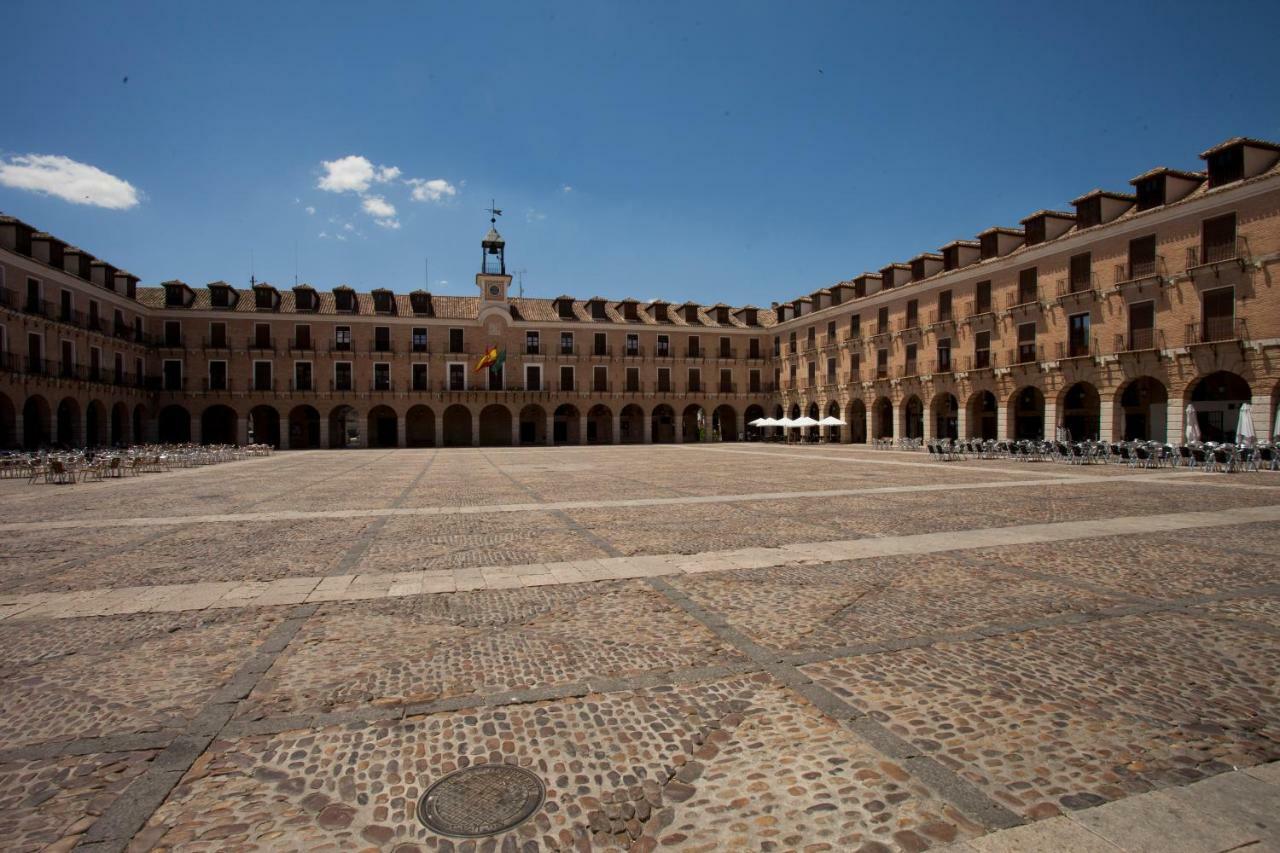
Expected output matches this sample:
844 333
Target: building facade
1107 322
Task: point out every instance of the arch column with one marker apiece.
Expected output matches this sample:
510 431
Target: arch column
197 430
1261 416
846 433
1175 419
582 426
402 431
617 427
475 429
515 429
324 431
19 435
242 430
962 419
439 413
551 428
1050 419
679 430
648 428
930 420
898 434
284 432
1106 418
1002 420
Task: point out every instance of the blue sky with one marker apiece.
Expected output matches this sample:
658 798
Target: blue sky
736 152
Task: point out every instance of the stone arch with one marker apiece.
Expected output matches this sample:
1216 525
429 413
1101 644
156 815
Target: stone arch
795 411
139 430
1080 412
495 426
565 424
381 427
304 428
631 424
663 424
1217 398
457 426
119 425
1142 410
815 414
945 411
420 426
68 422
693 423
344 427
599 424
882 418
533 425
1026 413
95 425
8 422
856 417
983 416
724 422
37 422
913 417
264 425
174 424
218 425
753 412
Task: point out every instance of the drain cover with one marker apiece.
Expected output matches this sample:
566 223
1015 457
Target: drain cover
481 800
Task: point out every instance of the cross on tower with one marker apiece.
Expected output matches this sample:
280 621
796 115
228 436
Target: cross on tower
493 212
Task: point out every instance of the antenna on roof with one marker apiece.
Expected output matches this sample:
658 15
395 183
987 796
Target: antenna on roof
426 273
252 280
295 263
520 272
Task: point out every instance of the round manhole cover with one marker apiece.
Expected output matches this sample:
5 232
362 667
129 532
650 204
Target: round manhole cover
481 800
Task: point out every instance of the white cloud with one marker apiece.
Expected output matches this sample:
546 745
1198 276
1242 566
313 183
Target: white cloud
389 224
436 189
348 227
566 189
532 215
376 205
354 173
311 211
64 178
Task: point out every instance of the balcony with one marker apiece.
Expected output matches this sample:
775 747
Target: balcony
1137 274
880 334
268 385
567 386
1022 302
342 386
1215 254
941 318
1216 330
171 342
980 360
301 345
1140 340
940 365
910 327
662 352
633 351
419 347
40 308
223 384
1026 354
261 344
1082 289
1075 349
567 351
727 353
340 346
601 387
382 346
602 352
911 368
215 344
978 311
383 386
297 384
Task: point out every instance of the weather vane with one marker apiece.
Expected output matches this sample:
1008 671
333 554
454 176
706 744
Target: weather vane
494 213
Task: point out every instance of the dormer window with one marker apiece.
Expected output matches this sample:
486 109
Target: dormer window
988 246
1150 192
722 314
629 311
220 296
173 296
1035 230
597 310
564 308
344 299
383 302
660 312
304 299
1226 166
263 298
420 302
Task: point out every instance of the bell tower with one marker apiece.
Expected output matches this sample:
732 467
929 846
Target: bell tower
492 279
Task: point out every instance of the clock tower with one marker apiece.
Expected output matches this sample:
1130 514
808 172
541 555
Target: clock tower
492 279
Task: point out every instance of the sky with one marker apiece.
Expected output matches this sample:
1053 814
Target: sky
742 152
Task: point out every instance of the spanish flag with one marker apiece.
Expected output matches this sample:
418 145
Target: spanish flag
490 356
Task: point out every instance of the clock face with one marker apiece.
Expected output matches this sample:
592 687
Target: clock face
493 290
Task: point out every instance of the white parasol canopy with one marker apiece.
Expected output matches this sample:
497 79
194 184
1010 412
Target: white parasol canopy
804 421
1275 432
1192 428
784 422
831 420
1245 433
761 422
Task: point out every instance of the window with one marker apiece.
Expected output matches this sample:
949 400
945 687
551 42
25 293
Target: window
218 335
982 298
119 365
217 376
566 343
262 376
1026 342
95 364
831 371
882 321
139 373
532 343
93 314
831 331
1027 286
381 376
913 313
664 346
172 374
855 367
944 355
726 348
777 346
1150 192
791 343
172 333
68 358
219 297
342 338
633 379
753 348
457 376
1081 272
533 377
600 344
456 341
302 336
418 339
695 380
566 377
262 336
753 380
262 298
66 312
1078 335
811 336
302 376
1142 257
791 376
1219 314
420 377
812 368
1142 325
1219 239
173 296
911 369
1226 166
381 339
664 379
693 346
600 378
726 381
342 376
855 327
944 306
882 363
981 350
633 345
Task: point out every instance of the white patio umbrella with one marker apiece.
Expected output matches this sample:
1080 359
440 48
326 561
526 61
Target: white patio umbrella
831 420
1245 433
784 422
1192 428
804 421
762 422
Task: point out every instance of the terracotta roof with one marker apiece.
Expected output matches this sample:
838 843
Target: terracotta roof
1055 213
1165 170
1000 229
972 243
1105 194
1241 140
927 255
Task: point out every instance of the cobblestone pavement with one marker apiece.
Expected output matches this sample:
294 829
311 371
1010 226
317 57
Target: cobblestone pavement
822 648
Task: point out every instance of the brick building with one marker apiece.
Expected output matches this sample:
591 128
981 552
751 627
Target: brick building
1106 321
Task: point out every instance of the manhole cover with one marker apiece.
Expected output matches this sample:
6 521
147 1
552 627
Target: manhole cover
481 800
